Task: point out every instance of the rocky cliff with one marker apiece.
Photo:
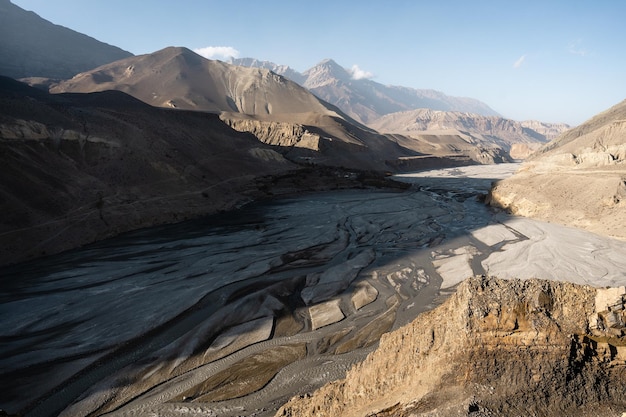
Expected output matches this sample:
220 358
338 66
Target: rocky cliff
495 347
578 179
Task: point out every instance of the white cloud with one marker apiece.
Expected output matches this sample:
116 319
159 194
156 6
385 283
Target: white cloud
217 52
359 74
576 48
519 62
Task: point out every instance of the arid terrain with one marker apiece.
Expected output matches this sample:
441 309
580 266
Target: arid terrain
297 289
183 236
495 347
281 112
579 179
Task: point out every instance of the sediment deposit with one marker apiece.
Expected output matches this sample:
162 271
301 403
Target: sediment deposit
172 319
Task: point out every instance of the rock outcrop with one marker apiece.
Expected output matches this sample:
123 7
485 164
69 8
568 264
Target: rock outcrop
275 133
495 347
579 179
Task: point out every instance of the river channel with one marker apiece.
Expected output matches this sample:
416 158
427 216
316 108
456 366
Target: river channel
235 313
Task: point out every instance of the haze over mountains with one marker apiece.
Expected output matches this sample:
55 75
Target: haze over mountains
273 108
34 47
255 100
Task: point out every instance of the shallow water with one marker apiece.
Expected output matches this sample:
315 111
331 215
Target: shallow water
147 306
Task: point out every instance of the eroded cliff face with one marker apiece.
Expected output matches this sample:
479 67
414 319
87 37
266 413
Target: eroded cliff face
276 133
495 347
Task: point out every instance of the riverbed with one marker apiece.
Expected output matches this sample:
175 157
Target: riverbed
236 313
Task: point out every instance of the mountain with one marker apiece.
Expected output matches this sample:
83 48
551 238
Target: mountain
81 167
179 78
276 110
33 47
394 109
519 139
578 179
283 70
494 348
366 100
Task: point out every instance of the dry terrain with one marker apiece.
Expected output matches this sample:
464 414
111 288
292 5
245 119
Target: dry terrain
495 347
235 314
276 110
79 168
468 130
363 99
579 179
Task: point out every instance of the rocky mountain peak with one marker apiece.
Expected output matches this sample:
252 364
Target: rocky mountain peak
325 73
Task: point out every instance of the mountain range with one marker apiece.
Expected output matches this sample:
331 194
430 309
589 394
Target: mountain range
519 139
276 110
426 115
258 97
112 142
363 99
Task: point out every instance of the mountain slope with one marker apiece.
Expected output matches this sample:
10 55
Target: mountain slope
33 47
283 70
516 138
179 78
276 110
579 179
80 167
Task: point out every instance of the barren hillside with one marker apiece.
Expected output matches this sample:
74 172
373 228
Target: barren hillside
519 139
277 111
365 99
80 167
579 179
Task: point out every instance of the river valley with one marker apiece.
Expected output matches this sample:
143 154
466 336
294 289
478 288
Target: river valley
236 313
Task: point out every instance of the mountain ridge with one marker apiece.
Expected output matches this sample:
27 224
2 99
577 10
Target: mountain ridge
251 99
517 138
31 46
366 100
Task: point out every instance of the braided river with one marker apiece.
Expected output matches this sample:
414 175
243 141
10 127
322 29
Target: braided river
236 313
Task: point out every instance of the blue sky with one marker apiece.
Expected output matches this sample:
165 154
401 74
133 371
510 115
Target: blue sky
554 61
